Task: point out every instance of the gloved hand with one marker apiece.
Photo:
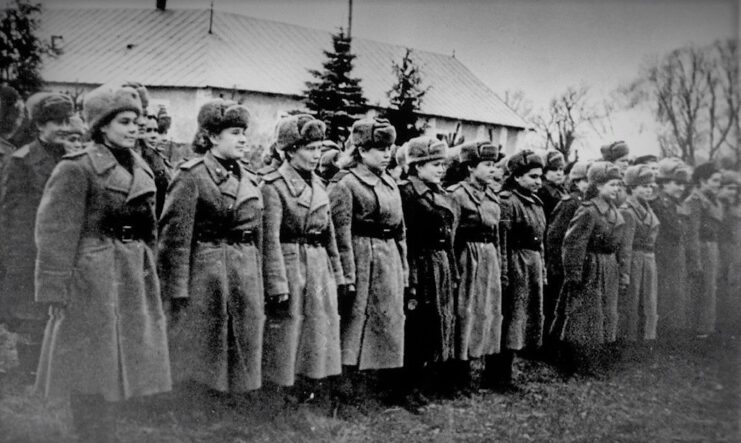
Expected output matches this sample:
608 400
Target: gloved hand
277 305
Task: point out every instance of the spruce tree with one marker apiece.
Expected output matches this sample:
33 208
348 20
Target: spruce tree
405 98
334 96
21 51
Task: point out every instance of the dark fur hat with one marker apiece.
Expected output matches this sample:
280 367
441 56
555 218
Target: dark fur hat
298 130
602 172
373 132
424 149
638 175
47 106
522 161
219 114
479 151
614 151
553 160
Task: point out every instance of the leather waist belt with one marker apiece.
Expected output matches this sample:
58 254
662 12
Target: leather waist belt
375 231
478 237
230 237
124 233
310 238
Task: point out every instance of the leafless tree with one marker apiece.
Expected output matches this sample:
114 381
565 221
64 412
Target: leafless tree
694 95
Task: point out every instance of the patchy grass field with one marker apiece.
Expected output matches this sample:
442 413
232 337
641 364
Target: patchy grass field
685 395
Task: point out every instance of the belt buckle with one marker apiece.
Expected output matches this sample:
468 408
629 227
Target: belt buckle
386 231
127 233
245 237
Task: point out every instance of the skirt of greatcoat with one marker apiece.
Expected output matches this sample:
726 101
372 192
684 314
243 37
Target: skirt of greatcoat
430 327
373 334
703 296
110 338
673 294
637 306
523 301
217 339
590 312
479 302
306 341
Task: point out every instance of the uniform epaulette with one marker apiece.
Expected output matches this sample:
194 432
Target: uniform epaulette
21 152
271 176
452 188
265 170
75 154
338 176
188 164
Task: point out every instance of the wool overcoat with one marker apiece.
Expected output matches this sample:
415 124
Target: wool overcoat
431 216
550 195
21 188
369 225
522 228
587 310
555 232
705 221
671 264
637 305
729 275
479 294
300 258
162 170
216 337
109 337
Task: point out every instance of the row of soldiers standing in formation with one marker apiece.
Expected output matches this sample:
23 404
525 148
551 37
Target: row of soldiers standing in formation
215 274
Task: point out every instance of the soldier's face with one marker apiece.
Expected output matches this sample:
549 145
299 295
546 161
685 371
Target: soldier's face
531 180
555 176
622 163
484 172
431 172
377 159
712 184
643 192
229 144
673 189
73 142
150 133
609 191
728 193
122 130
306 158
54 131
582 184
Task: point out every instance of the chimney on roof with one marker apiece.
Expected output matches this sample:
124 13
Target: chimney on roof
161 5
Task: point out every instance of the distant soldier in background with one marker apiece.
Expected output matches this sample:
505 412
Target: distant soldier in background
705 222
618 154
553 190
671 263
76 135
23 180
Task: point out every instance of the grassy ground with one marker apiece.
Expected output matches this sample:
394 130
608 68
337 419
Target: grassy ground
690 394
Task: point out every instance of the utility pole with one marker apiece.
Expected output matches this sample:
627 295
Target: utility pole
349 20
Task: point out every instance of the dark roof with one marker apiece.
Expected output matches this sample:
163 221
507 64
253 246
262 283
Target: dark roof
173 48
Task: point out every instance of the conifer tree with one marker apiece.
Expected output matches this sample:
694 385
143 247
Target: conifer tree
405 98
334 96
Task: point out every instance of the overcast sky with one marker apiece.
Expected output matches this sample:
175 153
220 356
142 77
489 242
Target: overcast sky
540 47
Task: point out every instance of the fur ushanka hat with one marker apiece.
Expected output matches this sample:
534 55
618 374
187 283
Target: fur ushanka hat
479 151
373 132
522 161
47 106
107 100
602 172
298 130
614 151
424 149
579 171
553 160
638 175
219 114
672 168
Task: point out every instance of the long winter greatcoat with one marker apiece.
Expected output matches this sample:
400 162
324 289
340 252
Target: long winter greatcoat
705 221
373 331
109 338
671 264
555 232
522 228
587 312
729 275
479 294
23 181
637 306
306 340
550 195
162 170
216 339
430 216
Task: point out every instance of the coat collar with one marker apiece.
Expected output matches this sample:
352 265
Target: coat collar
602 205
312 197
39 153
135 184
643 212
530 198
477 194
420 187
713 208
365 175
436 197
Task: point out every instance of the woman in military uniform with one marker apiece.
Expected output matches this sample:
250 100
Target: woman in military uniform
705 221
301 264
210 258
587 311
96 233
671 263
369 224
637 304
479 293
553 189
430 216
521 228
